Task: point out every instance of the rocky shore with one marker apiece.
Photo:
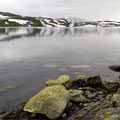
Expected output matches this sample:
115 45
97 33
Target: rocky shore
86 98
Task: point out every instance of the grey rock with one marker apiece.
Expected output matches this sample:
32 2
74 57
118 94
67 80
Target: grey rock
111 85
76 95
116 100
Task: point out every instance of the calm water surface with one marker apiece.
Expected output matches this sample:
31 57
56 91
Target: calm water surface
31 56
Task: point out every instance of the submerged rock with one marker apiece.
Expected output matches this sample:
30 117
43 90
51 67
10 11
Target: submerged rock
116 100
13 86
115 67
87 81
62 69
62 80
111 85
108 114
81 66
50 65
101 63
51 101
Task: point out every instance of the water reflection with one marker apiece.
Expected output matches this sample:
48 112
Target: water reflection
30 56
7 34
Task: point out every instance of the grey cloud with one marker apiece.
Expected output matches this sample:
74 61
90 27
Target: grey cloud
87 9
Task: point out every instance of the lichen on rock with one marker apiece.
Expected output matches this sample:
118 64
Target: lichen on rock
62 80
51 101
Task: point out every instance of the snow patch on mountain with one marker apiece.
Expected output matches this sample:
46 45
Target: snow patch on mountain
3 17
22 22
6 23
75 19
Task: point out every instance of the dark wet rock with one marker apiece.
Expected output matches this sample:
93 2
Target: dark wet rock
73 109
33 115
19 114
116 100
108 114
3 116
88 112
69 105
88 88
1 111
115 67
51 102
111 85
100 97
88 81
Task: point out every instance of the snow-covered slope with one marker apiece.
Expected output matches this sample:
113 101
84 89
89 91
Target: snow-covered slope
11 20
3 17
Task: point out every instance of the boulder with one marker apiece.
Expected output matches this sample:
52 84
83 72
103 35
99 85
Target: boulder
86 81
51 102
115 67
111 85
108 114
62 80
116 100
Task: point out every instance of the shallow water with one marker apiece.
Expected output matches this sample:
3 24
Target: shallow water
31 56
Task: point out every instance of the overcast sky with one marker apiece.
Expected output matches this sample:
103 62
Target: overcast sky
86 9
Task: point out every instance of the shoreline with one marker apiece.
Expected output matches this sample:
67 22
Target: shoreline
89 97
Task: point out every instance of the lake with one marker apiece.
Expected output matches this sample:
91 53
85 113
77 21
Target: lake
31 56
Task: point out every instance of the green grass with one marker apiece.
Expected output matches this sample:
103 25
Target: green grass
35 22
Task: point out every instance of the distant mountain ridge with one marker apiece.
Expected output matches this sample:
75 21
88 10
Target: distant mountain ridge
13 20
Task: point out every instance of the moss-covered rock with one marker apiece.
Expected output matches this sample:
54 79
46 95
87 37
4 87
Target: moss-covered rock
62 80
86 81
51 101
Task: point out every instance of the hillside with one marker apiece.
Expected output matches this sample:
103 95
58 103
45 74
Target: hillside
13 20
